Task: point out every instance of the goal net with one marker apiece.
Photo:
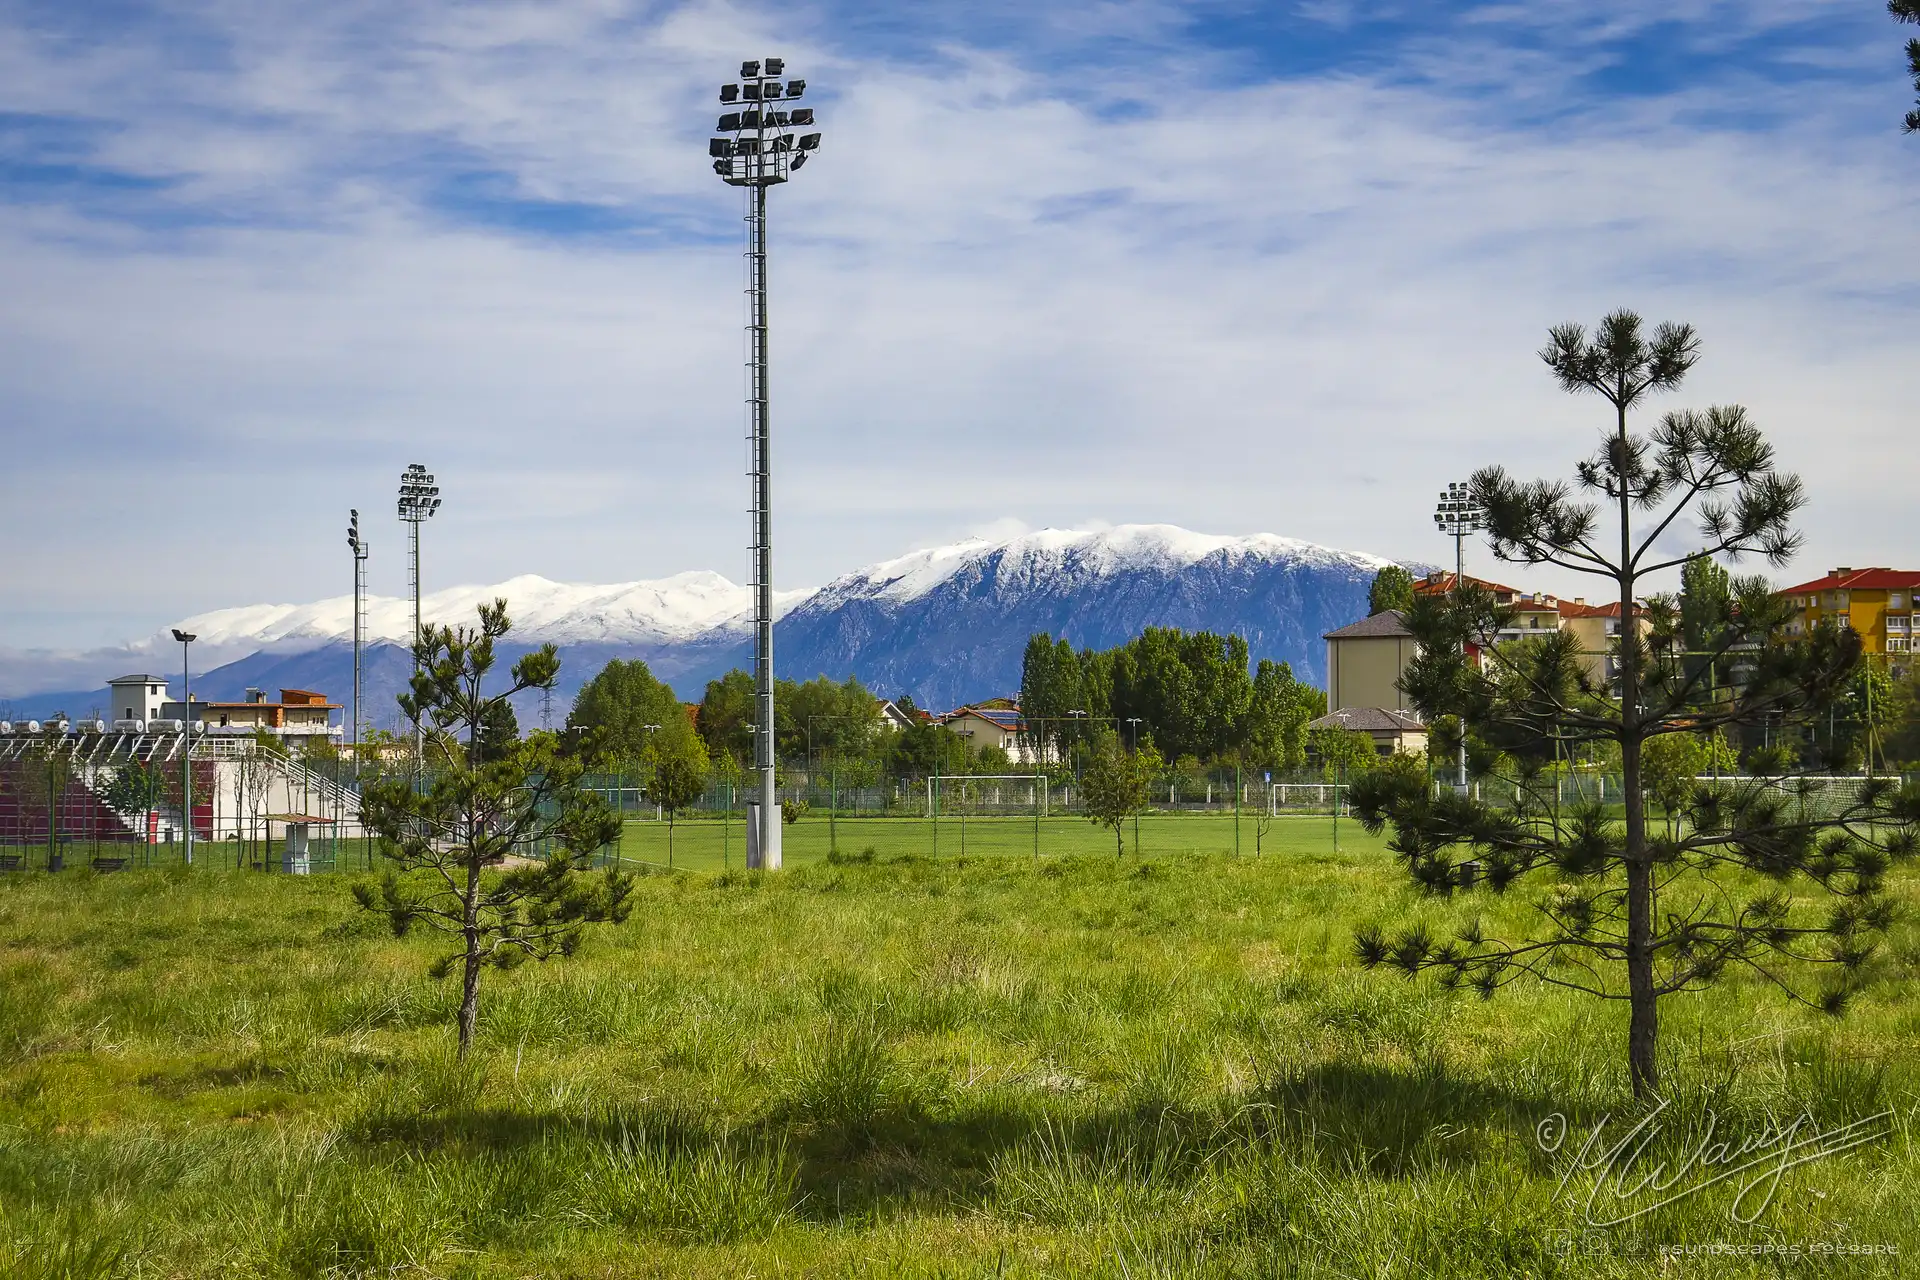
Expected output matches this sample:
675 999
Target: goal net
1812 796
1285 798
987 795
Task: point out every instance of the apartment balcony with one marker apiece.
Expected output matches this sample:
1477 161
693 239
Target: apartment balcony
278 731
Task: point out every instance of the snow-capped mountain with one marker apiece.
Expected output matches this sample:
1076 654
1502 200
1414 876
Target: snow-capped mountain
681 607
947 624
950 624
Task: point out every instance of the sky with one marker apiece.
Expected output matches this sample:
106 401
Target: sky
1235 266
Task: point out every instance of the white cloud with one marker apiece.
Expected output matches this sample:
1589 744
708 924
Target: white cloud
1297 306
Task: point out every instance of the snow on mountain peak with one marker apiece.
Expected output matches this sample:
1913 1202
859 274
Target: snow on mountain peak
700 602
674 608
1055 578
1044 553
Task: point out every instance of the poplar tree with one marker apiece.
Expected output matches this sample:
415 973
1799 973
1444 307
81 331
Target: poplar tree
1392 588
1782 878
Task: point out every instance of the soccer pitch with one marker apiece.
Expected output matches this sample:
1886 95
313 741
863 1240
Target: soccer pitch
706 844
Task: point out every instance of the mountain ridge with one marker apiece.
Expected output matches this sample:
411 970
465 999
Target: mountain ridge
945 624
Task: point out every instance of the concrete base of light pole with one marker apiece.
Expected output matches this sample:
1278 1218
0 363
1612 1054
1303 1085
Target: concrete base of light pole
763 834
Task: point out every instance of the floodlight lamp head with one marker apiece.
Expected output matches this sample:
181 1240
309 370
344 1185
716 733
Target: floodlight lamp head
761 153
184 637
418 494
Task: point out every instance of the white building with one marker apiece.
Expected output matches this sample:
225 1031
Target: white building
137 697
994 726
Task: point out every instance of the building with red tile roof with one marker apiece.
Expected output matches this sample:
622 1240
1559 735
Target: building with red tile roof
1876 602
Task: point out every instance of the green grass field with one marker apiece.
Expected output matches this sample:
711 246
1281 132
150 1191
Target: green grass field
890 1066
707 844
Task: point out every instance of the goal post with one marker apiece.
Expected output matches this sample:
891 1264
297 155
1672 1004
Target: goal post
989 794
1302 799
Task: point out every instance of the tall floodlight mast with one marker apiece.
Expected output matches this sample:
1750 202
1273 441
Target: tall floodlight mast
763 147
358 546
1460 516
419 499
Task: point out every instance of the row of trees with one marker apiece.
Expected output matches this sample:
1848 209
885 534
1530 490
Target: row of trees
1189 694
628 720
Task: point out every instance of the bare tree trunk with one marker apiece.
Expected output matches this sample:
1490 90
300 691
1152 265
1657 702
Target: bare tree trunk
1644 1002
470 990
1644 1027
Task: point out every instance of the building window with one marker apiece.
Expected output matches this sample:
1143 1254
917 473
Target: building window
1894 600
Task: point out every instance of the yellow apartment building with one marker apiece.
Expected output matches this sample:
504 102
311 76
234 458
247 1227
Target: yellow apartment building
1877 603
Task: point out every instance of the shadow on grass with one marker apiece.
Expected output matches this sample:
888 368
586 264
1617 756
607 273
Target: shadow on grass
862 1138
1397 1121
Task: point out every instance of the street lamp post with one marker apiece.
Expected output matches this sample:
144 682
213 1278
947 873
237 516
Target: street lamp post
763 148
1076 715
1459 516
419 499
1133 745
653 760
186 639
833 780
1339 774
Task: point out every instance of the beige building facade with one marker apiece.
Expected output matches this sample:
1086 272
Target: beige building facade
1365 662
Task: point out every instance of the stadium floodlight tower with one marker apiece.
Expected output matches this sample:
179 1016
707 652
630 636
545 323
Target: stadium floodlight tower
1460 516
763 147
358 546
419 499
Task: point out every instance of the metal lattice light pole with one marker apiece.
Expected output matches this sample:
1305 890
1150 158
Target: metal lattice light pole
186 639
1460 516
762 149
419 499
359 548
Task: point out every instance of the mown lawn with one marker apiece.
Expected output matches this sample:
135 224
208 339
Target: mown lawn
895 1065
709 844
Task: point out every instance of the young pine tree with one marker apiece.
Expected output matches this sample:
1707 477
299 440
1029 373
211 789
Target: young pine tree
1774 877
486 801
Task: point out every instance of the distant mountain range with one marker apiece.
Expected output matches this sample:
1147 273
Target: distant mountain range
946 625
